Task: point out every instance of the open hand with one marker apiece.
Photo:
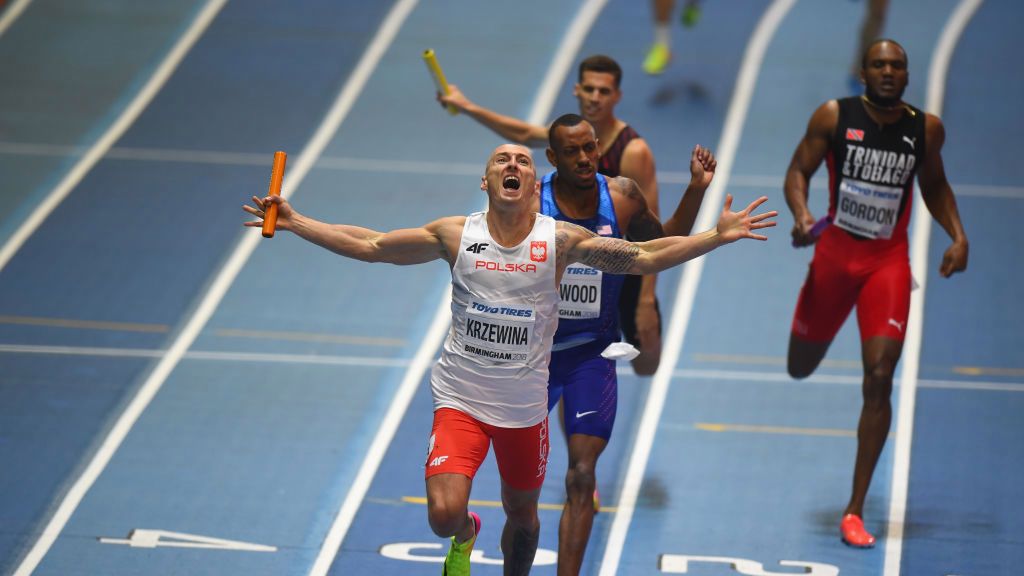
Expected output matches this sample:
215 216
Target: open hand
735 225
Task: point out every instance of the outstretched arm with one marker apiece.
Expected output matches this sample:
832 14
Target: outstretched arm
622 257
507 127
702 172
938 197
405 246
808 156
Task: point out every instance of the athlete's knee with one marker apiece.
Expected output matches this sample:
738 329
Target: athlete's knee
522 515
581 480
804 356
799 371
446 519
878 384
800 366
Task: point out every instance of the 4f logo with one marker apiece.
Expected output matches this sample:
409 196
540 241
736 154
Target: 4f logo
477 247
539 251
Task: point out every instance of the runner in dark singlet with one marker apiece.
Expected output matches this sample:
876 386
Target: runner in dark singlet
874 146
611 158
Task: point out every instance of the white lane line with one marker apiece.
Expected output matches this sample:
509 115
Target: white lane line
219 287
731 133
219 158
542 104
948 39
11 14
113 133
689 375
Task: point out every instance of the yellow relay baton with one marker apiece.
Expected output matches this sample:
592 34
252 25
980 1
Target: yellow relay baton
435 72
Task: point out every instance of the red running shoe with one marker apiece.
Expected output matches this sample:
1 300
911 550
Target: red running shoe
852 531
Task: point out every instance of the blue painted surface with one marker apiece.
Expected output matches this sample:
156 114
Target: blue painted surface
964 495
264 452
53 409
67 78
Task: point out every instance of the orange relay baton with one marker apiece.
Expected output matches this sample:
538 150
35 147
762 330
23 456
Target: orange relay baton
276 176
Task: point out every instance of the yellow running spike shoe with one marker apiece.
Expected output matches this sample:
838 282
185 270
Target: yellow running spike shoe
657 59
456 563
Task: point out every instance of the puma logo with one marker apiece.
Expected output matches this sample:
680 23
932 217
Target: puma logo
910 141
898 325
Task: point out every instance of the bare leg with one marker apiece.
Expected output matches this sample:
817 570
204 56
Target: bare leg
522 529
448 506
663 11
880 356
660 52
578 514
804 356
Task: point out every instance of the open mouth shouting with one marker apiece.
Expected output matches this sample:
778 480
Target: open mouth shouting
510 182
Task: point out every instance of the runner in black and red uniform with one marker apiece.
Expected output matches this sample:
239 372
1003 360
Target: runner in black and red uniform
873 146
623 153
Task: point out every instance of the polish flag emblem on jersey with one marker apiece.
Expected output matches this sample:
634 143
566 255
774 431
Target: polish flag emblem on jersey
854 134
539 251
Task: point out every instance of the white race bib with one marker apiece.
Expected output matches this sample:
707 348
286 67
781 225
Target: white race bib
867 209
580 292
499 332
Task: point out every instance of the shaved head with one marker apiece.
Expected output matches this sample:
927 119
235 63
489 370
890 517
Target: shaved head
864 57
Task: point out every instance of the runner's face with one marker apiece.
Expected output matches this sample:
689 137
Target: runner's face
598 95
576 155
510 176
885 73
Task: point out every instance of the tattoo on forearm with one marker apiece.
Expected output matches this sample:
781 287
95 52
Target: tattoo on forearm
562 236
561 239
612 255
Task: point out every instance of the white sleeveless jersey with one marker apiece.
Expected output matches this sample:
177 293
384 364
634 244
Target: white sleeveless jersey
494 364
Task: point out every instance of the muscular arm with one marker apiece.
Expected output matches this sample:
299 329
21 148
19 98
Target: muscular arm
507 127
702 171
622 257
643 225
404 246
643 222
938 197
808 156
638 164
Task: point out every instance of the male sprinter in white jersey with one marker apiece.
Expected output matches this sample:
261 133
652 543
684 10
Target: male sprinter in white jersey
623 152
874 145
490 384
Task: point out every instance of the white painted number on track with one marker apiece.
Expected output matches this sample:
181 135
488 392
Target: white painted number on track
141 538
407 551
680 564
